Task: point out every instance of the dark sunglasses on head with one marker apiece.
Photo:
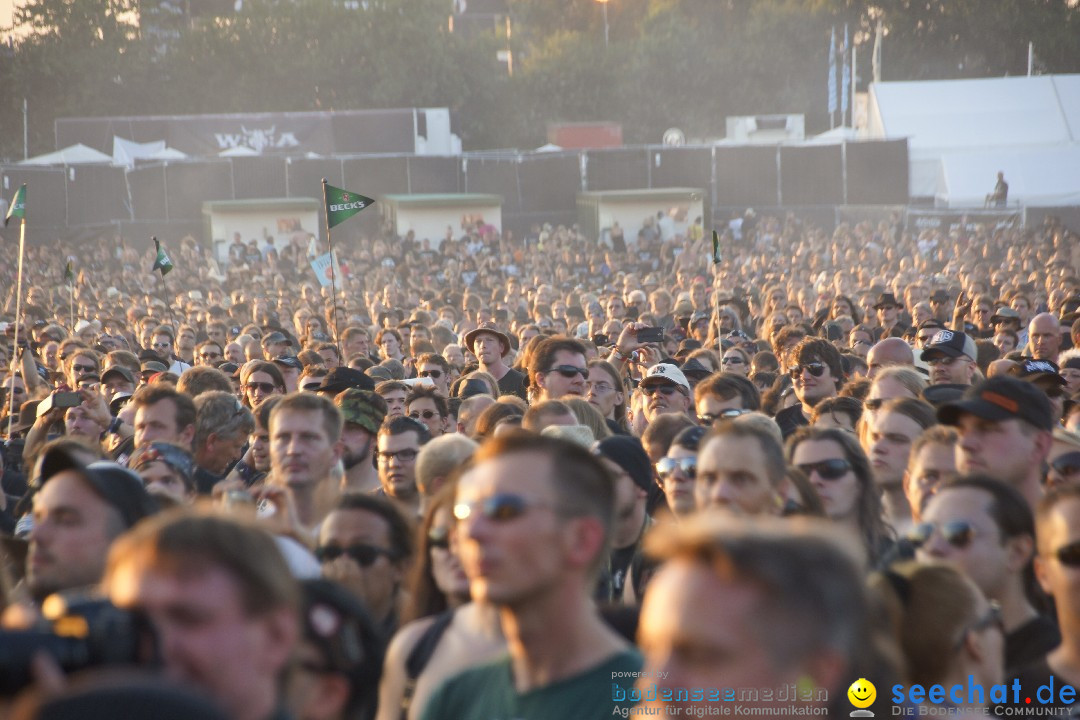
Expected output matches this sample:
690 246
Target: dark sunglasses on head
570 371
710 418
500 508
666 466
438 537
958 533
364 555
426 414
263 386
1067 464
816 369
433 374
827 469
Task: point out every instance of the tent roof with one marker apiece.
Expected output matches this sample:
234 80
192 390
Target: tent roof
1044 176
978 113
78 154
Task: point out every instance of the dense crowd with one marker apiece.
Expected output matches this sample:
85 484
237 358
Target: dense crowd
797 473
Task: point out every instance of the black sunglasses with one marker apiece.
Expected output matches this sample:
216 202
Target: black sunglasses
1067 464
688 465
873 404
827 469
958 533
500 508
83 368
263 386
210 355
426 414
433 374
1069 555
311 387
570 371
439 537
816 369
665 390
364 555
992 618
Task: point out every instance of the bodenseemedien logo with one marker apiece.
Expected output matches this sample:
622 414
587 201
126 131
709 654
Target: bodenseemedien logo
862 694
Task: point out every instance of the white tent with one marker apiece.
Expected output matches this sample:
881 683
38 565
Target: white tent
78 154
962 132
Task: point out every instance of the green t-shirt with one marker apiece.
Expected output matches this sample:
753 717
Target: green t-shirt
487 693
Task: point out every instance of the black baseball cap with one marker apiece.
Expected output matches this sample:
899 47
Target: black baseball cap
115 484
1001 398
343 378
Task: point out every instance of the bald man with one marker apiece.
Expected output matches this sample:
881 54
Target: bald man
1044 337
888 352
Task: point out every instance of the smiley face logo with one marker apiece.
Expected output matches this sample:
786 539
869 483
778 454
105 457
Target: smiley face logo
862 693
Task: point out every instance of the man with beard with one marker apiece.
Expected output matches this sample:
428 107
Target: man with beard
363 412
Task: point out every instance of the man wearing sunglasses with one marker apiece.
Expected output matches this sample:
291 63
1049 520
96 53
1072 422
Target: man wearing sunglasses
558 368
534 522
724 395
428 406
951 357
985 528
1057 567
437 369
667 390
491 347
365 544
816 373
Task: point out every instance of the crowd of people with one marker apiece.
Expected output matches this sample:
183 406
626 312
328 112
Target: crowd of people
545 476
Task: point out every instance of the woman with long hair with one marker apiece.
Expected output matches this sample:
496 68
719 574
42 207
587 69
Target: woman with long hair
840 472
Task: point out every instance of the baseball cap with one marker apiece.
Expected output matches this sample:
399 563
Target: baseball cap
1003 314
361 407
627 452
153 366
1031 370
120 370
115 484
288 361
342 378
951 344
275 337
1001 398
662 373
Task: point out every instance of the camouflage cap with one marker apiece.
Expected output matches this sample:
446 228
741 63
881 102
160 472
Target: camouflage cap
361 407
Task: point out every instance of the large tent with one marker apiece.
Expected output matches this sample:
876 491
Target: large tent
961 133
77 154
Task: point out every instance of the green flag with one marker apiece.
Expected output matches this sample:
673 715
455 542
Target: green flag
343 204
716 248
162 261
17 208
69 273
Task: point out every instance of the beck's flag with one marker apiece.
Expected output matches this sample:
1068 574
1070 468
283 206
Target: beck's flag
69 273
17 207
716 248
343 204
162 262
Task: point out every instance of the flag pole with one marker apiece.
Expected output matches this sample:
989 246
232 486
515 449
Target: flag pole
71 304
165 292
18 315
333 273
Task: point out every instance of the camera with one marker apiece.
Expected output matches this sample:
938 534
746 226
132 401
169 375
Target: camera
84 631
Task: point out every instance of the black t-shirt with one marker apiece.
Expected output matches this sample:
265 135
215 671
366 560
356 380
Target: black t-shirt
791 419
1030 643
512 383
